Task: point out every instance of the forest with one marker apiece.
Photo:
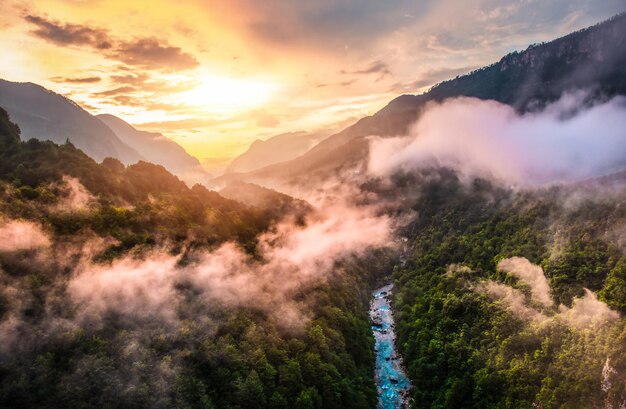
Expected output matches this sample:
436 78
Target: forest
477 227
471 329
65 210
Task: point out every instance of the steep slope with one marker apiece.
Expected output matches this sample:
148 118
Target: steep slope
45 115
136 274
279 148
156 148
462 293
592 59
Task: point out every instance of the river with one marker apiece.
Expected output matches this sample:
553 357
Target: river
391 380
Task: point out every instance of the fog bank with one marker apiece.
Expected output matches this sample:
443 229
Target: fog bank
564 142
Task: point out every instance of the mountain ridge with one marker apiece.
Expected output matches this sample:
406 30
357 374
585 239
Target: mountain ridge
37 111
46 115
593 58
156 148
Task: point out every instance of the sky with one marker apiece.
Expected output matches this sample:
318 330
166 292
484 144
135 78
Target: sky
216 75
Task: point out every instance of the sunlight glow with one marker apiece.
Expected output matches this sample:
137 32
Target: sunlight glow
227 95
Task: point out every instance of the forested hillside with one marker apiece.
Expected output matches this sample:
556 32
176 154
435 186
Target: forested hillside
462 248
475 325
105 298
45 115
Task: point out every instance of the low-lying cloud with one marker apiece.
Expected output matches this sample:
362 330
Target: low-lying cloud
564 142
532 275
18 235
292 258
76 196
512 298
586 311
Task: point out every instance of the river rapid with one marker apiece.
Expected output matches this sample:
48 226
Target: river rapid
391 380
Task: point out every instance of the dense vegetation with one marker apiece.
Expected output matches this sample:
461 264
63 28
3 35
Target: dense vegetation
208 355
463 348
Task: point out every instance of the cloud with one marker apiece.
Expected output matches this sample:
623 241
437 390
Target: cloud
512 298
264 119
143 52
376 67
586 311
145 82
80 80
151 53
69 34
292 258
130 79
75 196
21 235
532 275
126 101
130 286
431 77
488 139
115 91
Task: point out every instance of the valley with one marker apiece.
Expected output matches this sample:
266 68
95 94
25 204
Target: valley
461 247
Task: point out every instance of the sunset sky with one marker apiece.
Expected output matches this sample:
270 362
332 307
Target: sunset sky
216 75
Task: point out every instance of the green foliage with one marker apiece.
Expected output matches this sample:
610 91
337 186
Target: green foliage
614 291
463 349
210 355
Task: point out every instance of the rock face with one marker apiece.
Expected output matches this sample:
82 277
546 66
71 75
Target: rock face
45 115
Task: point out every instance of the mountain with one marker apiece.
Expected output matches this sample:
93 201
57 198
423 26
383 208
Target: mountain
146 276
592 59
265 199
462 292
44 115
156 148
278 148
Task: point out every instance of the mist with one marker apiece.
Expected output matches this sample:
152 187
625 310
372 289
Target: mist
291 258
586 311
512 298
21 235
532 275
76 196
568 140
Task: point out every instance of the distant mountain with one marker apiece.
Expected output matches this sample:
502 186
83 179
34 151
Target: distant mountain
267 200
276 149
592 59
45 115
215 165
156 148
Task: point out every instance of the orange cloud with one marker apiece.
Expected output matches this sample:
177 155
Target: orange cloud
146 52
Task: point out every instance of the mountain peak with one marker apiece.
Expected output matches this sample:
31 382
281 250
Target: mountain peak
45 115
157 148
593 58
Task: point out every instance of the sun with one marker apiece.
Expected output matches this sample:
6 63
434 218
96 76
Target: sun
224 95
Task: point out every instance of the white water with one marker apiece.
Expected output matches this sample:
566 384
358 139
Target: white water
391 380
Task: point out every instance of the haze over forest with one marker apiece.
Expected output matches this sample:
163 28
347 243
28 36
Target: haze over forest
328 205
